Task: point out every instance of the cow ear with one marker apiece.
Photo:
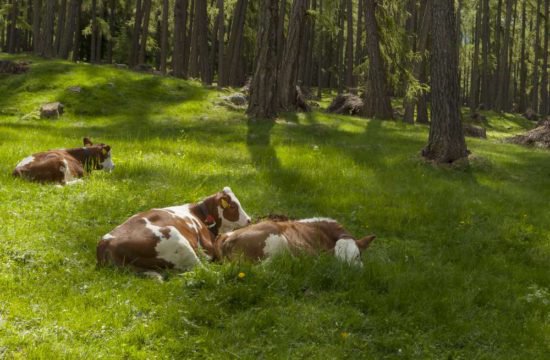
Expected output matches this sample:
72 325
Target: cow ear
87 142
107 148
364 243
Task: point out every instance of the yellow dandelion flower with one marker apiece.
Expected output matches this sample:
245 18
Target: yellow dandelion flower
241 275
344 335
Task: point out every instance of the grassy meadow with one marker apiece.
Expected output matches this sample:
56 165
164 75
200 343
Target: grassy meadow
460 268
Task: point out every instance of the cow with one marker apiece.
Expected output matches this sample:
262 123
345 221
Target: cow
172 237
268 238
65 166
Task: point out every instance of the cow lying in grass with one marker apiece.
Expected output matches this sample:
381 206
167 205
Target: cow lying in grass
66 165
268 238
172 237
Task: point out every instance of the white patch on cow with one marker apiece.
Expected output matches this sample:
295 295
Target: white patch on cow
108 163
184 213
175 249
348 251
67 172
107 237
26 161
243 220
317 219
275 244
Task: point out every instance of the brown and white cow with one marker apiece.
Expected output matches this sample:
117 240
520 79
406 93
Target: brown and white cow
268 238
66 165
172 237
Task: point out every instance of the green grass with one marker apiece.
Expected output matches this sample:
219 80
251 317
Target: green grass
460 268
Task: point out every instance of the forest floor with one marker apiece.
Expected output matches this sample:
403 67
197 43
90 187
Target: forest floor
459 269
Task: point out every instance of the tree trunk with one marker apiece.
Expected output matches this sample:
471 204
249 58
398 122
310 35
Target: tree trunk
12 27
474 82
36 36
180 23
112 29
545 101
446 142
134 48
377 102
522 103
164 37
263 89
536 65
288 76
485 81
70 28
221 37
360 30
340 66
233 59
60 26
144 31
49 20
77 33
350 81
504 88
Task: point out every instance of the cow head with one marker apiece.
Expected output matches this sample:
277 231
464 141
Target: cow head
99 156
350 250
230 211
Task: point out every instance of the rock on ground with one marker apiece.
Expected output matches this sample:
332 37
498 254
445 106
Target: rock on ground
51 110
346 104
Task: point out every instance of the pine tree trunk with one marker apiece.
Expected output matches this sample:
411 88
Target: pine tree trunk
536 65
77 33
474 82
60 26
485 81
522 102
446 143
134 48
360 30
70 28
503 88
288 75
340 66
377 102
164 37
221 37
36 36
411 31
144 31
350 81
263 89
545 101
233 59
12 27
49 19
112 29
180 24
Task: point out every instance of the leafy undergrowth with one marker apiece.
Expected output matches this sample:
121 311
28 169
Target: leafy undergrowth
459 269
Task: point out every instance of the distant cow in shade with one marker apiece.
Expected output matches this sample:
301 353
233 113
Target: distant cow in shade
172 237
268 238
66 165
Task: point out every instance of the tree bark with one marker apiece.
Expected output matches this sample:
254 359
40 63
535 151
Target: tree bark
144 31
545 101
474 82
36 36
48 29
504 86
233 59
377 102
485 81
263 89
62 11
288 75
221 37
134 48
180 24
350 81
446 142
522 102
164 37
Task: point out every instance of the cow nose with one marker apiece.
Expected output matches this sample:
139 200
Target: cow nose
248 221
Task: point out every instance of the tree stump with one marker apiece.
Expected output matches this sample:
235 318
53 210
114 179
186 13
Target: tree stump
539 137
12 67
51 110
474 131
